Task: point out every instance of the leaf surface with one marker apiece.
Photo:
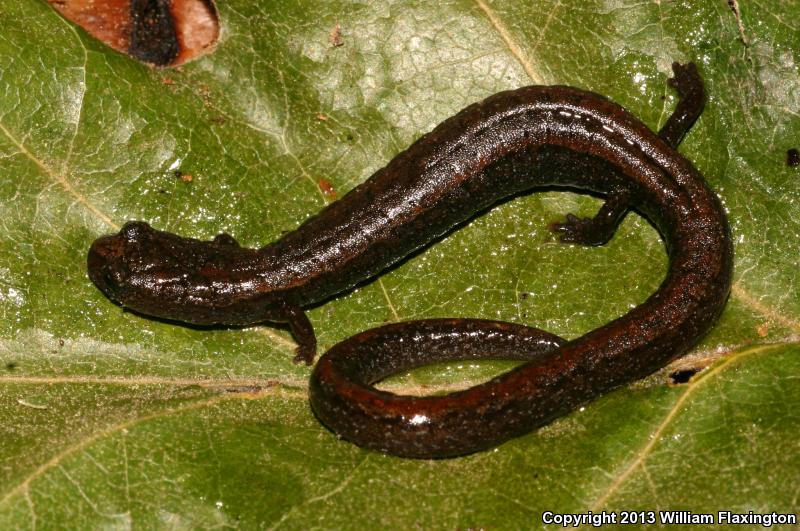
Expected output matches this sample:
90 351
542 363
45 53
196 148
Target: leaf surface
113 419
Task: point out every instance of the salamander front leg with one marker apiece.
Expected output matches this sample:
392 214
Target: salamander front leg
599 229
303 333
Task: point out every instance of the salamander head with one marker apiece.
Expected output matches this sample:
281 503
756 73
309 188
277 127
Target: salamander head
160 274
113 260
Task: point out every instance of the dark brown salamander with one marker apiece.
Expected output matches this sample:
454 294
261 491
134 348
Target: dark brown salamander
511 142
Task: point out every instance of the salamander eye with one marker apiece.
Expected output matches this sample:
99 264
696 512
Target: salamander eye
134 230
113 279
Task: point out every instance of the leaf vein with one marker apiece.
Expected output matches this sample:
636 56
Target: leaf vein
55 461
58 178
749 300
513 47
674 411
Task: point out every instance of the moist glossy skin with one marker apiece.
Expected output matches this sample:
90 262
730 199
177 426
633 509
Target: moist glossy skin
510 142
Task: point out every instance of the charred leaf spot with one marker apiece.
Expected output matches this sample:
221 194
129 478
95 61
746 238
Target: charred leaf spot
793 158
682 376
158 32
153 35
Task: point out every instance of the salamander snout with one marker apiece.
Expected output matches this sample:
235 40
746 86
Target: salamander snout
106 265
109 256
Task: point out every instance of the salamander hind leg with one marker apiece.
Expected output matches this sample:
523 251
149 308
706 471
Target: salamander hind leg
689 86
599 229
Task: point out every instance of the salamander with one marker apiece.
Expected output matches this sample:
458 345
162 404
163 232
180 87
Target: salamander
509 143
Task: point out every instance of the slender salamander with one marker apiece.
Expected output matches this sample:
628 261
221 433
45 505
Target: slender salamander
508 143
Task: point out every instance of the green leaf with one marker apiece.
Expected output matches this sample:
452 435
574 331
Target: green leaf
112 419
